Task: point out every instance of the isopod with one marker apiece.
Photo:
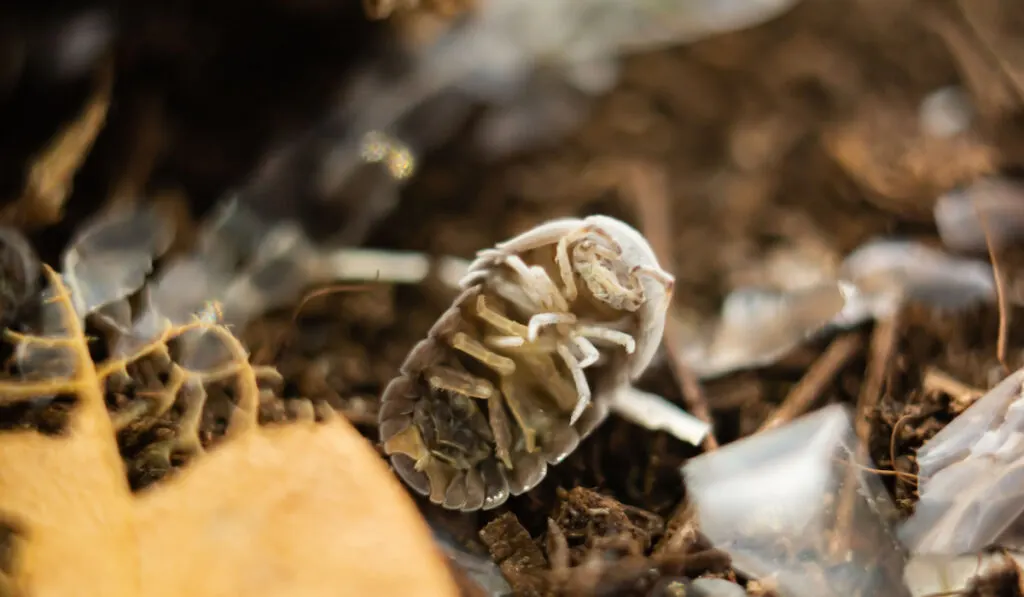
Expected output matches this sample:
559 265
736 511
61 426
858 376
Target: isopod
549 328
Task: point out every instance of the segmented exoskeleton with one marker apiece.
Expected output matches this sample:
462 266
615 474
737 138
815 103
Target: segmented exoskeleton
549 326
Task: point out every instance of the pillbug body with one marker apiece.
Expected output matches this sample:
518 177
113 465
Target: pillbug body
550 325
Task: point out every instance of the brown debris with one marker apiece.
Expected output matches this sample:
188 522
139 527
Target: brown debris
595 522
515 552
49 179
803 395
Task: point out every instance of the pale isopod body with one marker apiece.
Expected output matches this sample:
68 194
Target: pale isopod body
550 326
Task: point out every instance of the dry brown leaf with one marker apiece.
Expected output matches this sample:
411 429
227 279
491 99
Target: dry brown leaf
71 497
306 507
52 171
69 494
302 509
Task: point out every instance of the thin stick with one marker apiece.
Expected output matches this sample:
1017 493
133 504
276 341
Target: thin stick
1004 318
325 291
892 441
693 393
822 372
883 344
937 381
1002 64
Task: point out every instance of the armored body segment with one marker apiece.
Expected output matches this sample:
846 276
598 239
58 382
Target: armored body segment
549 327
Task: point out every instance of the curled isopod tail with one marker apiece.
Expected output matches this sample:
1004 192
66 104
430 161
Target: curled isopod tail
992 205
440 448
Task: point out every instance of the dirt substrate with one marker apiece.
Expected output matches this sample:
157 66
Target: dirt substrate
798 138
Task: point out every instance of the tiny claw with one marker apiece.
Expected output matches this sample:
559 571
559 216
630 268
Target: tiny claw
577 412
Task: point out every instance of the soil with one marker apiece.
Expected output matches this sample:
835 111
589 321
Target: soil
799 136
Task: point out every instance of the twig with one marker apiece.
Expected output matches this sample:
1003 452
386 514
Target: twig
1004 318
940 382
693 394
896 427
681 532
883 344
992 52
813 383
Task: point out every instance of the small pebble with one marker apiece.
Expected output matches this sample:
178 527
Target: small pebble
946 112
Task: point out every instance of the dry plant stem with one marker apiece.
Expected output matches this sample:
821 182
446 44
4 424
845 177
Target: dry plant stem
994 55
647 188
814 382
997 273
50 176
937 381
681 532
883 345
693 393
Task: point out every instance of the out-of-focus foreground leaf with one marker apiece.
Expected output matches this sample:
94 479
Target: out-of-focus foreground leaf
304 509
307 508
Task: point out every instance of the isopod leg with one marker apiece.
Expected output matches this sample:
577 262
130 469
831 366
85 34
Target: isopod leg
498 420
615 336
503 366
542 366
499 321
527 278
545 234
544 286
541 320
514 401
588 350
565 268
661 276
459 382
582 387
